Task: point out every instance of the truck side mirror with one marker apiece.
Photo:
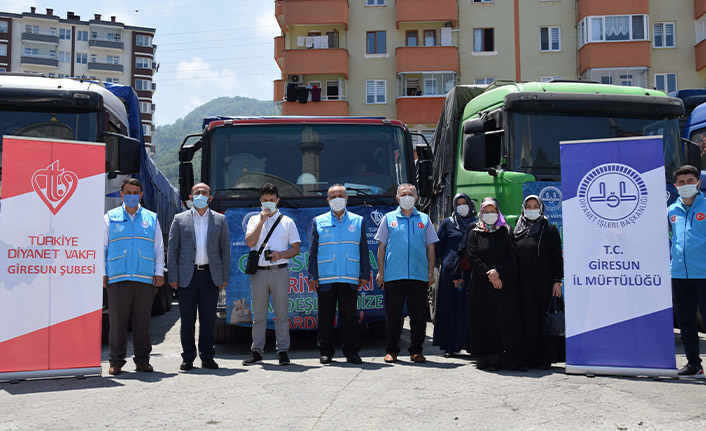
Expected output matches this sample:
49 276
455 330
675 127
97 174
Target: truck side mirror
473 126
186 180
122 154
425 177
692 153
473 152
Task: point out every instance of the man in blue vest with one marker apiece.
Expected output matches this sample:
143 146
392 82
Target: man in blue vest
405 270
687 223
134 258
338 264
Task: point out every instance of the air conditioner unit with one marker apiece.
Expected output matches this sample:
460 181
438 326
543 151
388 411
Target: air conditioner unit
297 79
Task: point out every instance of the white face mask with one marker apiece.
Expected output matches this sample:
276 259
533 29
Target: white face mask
532 214
688 190
337 204
269 206
490 218
463 210
407 202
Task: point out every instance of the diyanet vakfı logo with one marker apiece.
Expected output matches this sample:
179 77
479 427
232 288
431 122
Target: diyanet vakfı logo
612 195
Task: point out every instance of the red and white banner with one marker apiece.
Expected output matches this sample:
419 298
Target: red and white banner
51 257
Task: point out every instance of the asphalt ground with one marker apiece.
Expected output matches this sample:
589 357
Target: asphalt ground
438 395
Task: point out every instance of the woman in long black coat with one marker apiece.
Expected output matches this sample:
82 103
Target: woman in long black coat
451 316
493 300
540 271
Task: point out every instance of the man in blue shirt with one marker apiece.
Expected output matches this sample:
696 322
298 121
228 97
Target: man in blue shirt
687 223
405 270
338 265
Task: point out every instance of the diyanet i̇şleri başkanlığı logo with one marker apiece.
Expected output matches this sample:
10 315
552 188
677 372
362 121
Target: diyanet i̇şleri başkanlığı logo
612 195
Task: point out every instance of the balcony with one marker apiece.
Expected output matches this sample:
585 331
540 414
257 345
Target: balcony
323 108
426 58
40 38
279 51
425 10
420 110
612 7
105 67
614 54
39 60
315 62
311 12
278 94
699 8
106 44
700 54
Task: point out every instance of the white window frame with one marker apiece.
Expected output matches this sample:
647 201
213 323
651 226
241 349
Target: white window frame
143 62
65 33
663 37
3 50
586 29
377 91
80 57
483 80
143 40
147 106
665 76
547 78
483 42
483 1
113 59
700 29
550 48
374 3
82 35
93 59
138 85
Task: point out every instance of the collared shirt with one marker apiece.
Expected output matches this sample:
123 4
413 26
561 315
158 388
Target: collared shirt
284 235
201 232
158 243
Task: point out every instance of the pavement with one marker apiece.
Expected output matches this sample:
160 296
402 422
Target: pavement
442 394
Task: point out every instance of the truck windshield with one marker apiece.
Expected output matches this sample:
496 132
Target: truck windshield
534 139
304 160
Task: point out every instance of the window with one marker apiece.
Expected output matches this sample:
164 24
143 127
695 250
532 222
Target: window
3 69
482 1
52 53
612 28
483 40
94 58
32 29
3 50
425 83
666 82
30 51
375 91
143 63
663 33
94 35
550 78
635 76
429 37
375 2
82 35
113 80
3 27
549 39
412 38
484 80
64 56
52 31
700 29
141 40
145 107
142 85
114 37
376 42
146 130
332 90
65 33
113 59
81 58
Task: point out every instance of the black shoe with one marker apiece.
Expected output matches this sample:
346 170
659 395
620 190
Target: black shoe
283 358
690 371
325 359
253 359
354 358
209 363
187 365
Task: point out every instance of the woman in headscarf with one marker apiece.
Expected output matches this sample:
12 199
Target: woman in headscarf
451 316
540 270
494 300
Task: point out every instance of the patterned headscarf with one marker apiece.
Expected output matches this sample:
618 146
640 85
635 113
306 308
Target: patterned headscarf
481 225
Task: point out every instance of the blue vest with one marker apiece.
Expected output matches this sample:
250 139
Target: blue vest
688 238
406 252
131 255
339 247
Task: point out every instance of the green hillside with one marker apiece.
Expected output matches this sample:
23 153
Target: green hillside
168 138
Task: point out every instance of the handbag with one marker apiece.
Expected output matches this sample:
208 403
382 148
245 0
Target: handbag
554 318
254 256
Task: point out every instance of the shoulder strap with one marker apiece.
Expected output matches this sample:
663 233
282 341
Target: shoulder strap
269 234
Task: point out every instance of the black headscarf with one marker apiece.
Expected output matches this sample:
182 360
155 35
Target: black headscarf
458 221
526 227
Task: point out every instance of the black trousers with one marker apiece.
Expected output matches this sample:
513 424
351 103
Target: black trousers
346 296
688 293
201 295
396 293
130 299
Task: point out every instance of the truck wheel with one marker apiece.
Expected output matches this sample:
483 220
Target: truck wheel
433 293
224 333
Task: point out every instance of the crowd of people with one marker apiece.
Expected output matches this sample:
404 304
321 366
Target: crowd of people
495 284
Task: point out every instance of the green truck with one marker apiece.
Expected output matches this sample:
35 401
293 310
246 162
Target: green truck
503 140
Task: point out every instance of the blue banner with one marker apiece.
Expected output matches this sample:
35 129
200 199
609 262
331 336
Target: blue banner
303 301
616 258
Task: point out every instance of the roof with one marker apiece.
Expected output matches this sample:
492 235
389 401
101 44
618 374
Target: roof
219 121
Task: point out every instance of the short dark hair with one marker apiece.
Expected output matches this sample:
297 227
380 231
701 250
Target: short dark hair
132 182
687 170
269 189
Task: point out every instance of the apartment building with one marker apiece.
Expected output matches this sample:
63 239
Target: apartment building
399 58
106 50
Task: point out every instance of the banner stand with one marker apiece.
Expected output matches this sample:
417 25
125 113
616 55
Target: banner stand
621 371
51 374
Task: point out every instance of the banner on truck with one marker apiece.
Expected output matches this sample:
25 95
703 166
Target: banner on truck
51 261
303 301
616 258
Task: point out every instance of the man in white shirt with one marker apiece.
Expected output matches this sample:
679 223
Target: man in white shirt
134 265
199 262
272 277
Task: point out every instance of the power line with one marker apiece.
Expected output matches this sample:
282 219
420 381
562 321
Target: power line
214 40
212 31
183 6
208 79
211 68
218 59
201 48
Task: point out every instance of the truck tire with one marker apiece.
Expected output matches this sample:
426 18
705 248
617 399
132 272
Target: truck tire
433 292
224 333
